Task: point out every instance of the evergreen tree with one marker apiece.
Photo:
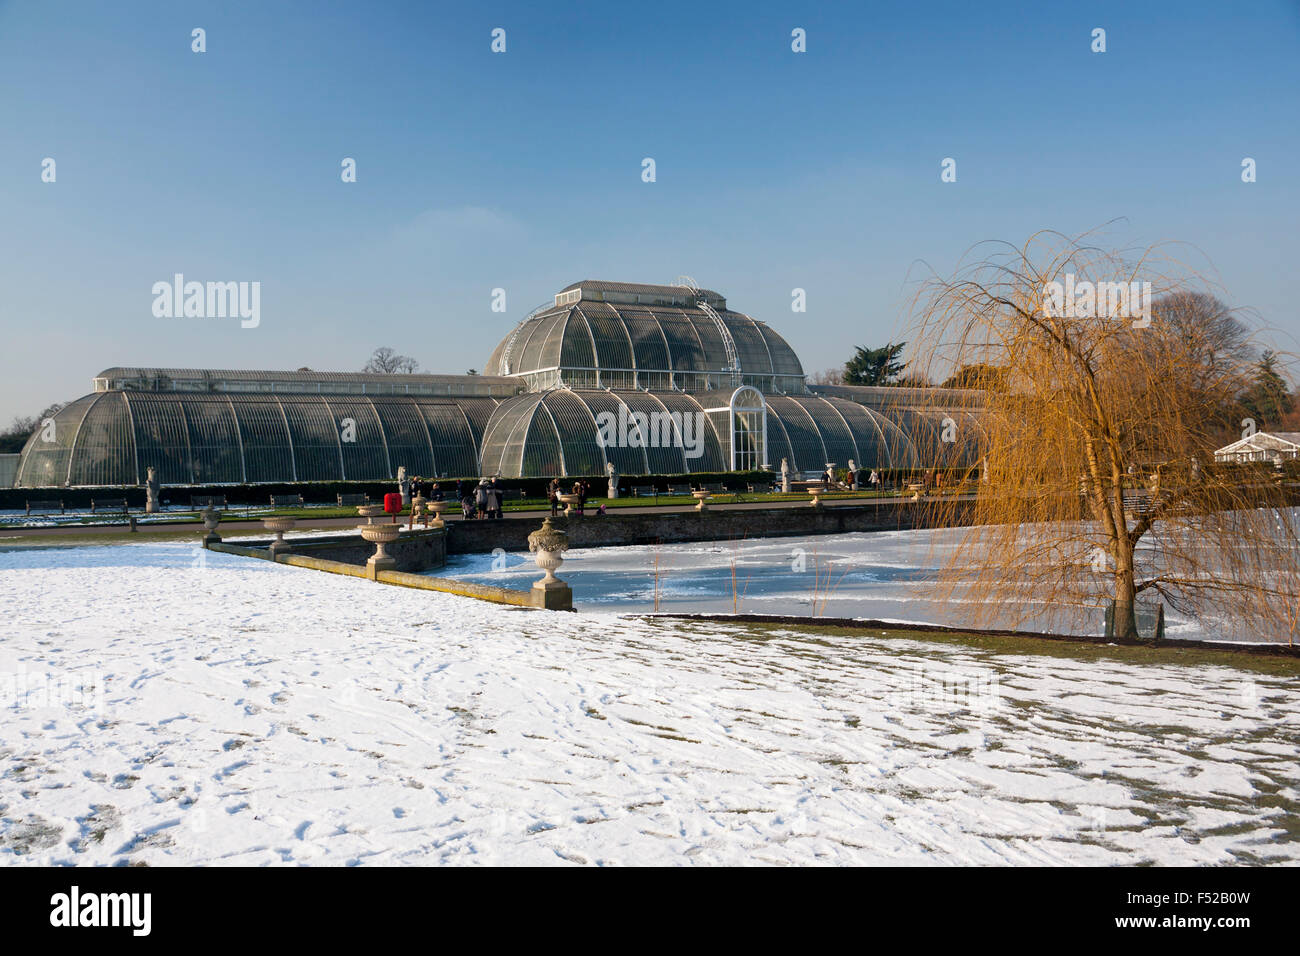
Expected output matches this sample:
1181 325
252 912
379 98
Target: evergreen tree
875 366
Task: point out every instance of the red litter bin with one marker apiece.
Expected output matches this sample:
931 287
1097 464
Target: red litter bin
393 504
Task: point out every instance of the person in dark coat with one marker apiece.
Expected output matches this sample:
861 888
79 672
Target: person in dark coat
497 493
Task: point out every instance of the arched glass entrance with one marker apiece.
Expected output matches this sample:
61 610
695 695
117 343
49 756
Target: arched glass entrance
748 429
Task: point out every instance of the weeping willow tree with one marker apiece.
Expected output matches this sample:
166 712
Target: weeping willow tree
1099 383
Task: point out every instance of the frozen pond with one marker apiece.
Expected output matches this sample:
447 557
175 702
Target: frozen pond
884 576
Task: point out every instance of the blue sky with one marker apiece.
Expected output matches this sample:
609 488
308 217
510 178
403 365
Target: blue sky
522 170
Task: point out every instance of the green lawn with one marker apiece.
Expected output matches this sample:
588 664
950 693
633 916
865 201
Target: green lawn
1274 665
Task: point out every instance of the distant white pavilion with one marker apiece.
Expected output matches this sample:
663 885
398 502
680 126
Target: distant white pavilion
1262 446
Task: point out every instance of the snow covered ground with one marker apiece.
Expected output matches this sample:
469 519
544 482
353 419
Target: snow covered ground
165 705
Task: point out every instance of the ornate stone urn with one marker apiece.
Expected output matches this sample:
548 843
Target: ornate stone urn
370 512
548 544
279 526
817 491
569 500
380 535
702 499
436 508
211 518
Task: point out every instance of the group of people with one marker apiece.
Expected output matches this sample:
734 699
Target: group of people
580 488
481 501
426 488
854 480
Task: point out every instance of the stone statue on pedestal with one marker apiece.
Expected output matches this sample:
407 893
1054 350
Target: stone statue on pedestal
152 488
404 486
612 472
785 475
853 474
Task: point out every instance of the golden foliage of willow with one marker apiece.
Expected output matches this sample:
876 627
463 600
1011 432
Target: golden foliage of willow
1093 440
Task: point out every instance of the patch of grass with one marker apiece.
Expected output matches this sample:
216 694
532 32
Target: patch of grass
1273 666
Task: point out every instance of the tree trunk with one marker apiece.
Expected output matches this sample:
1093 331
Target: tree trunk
1125 620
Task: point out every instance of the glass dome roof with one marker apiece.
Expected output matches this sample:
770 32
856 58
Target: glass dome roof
623 335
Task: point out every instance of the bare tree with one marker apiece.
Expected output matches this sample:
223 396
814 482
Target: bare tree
14 438
386 361
1097 418
827 376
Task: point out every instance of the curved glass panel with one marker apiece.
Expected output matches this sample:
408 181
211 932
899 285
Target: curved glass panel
711 458
923 431
663 436
778 442
714 352
213 440
45 462
528 353
268 453
629 460
455 449
873 449
648 347
835 435
684 348
784 361
613 350
807 453
576 349
500 455
750 347
162 437
364 457
316 446
577 431
408 438
541 450
477 412
105 445
548 355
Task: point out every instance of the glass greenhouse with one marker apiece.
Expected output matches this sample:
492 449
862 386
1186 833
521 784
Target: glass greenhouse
653 379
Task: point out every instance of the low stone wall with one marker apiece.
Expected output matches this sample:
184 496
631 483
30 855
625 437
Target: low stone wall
511 534
560 599
419 550
484 592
